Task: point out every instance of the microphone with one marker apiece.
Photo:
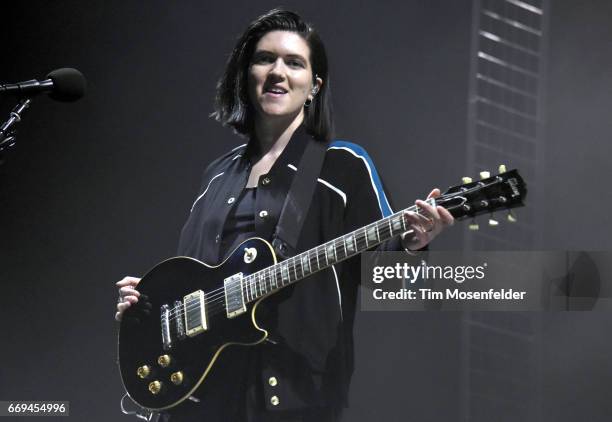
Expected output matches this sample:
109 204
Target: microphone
66 84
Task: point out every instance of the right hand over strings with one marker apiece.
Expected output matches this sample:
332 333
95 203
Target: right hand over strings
128 295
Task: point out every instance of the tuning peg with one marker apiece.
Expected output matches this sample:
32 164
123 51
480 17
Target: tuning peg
511 217
485 174
465 180
493 222
474 225
502 168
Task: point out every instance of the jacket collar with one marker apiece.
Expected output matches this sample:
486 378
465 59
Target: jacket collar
290 155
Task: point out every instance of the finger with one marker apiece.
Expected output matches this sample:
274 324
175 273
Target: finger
122 306
446 217
130 299
128 290
127 281
118 316
427 209
421 236
434 193
419 219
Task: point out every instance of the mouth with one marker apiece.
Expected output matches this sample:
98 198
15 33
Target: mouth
275 91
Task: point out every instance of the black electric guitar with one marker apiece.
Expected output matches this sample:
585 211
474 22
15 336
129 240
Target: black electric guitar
189 312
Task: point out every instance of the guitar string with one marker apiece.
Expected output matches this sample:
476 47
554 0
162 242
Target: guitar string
217 301
340 240
218 295
219 298
270 277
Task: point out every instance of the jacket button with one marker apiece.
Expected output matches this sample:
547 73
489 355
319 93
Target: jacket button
263 214
231 200
265 181
218 238
273 381
274 400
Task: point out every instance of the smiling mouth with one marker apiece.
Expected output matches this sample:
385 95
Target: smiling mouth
275 91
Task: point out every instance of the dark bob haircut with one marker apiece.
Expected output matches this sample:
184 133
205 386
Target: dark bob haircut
232 105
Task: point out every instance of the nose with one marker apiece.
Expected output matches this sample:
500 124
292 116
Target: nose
278 68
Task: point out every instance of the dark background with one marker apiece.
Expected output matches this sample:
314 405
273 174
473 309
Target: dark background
99 189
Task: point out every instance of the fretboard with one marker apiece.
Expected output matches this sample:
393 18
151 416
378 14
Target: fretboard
297 267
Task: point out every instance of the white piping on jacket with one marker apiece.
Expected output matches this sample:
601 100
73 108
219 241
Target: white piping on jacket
205 190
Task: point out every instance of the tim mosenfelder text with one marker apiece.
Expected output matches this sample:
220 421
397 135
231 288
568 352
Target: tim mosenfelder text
424 272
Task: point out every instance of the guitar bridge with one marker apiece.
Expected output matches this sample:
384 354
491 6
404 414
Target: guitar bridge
234 298
165 327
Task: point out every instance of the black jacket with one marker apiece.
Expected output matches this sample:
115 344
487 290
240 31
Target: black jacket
311 322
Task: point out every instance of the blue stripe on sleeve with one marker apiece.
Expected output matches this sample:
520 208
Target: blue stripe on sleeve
361 153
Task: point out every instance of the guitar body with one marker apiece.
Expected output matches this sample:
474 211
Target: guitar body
140 334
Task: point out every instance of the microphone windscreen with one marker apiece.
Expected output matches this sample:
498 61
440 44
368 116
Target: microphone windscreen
68 84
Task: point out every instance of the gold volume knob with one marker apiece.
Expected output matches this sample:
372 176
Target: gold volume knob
274 400
164 360
177 378
272 381
143 372
155 387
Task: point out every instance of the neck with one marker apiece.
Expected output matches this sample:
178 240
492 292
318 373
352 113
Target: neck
273 135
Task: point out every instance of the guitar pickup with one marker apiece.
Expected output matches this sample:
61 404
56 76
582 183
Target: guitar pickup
194 309
234 297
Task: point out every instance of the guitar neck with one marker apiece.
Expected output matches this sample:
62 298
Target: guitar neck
505 190
273 278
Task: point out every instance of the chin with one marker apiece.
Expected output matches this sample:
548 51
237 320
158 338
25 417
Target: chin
276 112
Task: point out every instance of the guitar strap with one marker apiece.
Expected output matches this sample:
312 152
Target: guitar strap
296 206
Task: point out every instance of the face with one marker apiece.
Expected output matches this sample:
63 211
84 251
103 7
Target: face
280 75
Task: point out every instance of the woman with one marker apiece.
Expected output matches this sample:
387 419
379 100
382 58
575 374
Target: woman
275 91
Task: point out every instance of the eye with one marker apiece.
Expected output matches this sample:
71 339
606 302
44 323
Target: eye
263 59
295 63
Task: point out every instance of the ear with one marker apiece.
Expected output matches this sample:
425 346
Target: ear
318 83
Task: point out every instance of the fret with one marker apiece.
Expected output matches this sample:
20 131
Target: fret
349 244
273 276
371 235
264 288
265 282
284 273
252 285
245 287
390 227
402 216
332 252
305 264
396 222
365 238
317 256
257 293
298 266
383 226
377 233
290 264
325 254
341 254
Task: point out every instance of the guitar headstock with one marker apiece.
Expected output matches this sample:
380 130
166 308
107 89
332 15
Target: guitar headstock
505 190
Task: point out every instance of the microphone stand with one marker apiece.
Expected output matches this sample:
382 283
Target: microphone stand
8 135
